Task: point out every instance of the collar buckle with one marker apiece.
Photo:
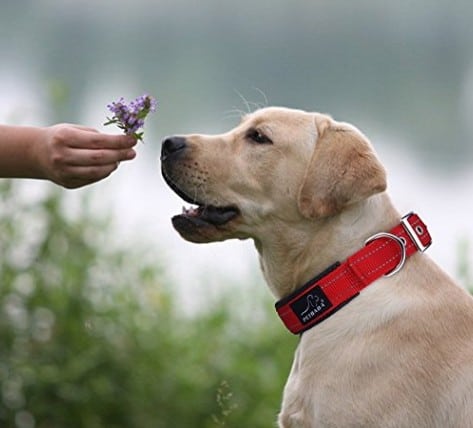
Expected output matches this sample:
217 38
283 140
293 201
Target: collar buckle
414 233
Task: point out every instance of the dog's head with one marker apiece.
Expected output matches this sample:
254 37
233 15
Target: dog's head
278 166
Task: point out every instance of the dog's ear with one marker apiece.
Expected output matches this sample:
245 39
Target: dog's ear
343 170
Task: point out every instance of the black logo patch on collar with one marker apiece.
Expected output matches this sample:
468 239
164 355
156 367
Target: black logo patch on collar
311 305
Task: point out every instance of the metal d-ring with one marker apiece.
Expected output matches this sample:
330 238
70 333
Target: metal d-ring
402 245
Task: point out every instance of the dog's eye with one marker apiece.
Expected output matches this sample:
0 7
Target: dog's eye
258 137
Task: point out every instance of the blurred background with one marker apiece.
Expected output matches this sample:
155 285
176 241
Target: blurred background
107 317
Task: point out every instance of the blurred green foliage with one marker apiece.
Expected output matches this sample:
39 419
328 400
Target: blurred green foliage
92 336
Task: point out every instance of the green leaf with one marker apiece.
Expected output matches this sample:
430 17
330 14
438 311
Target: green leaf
110 121
142 114
138 136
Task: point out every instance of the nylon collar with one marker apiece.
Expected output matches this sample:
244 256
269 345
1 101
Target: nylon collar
384 254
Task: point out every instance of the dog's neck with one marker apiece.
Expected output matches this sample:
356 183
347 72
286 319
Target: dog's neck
289 258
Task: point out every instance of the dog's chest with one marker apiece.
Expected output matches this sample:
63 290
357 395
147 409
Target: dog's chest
363 383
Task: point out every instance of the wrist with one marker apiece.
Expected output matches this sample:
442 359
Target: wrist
38 152
31 145
20 152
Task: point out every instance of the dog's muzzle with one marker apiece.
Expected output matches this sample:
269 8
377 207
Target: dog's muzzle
205 222
172 146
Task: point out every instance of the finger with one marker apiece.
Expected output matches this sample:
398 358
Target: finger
109 141
75 126
88 157
97 140
85 128
80 176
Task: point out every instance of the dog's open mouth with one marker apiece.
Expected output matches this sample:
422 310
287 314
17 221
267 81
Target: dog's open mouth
201 216
204 223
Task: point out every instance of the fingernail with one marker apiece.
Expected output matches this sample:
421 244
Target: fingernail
131 140
130 154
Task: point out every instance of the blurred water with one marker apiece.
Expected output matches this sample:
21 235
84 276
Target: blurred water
406 66
402 73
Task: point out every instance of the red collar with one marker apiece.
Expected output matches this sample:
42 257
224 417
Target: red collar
383 254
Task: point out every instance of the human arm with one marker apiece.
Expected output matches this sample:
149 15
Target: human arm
69 155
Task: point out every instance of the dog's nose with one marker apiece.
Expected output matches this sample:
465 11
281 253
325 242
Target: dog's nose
172 145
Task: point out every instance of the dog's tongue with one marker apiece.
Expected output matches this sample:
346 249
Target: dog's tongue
210 214
218 216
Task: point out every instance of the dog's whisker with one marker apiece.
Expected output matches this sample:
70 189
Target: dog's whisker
255 105
234 113
246 103
251 106
265 98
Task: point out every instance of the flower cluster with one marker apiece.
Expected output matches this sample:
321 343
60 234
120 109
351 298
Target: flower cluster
131 117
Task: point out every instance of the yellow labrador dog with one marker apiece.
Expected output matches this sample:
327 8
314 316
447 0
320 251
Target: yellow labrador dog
386 336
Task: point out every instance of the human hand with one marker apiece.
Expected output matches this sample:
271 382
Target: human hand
74 156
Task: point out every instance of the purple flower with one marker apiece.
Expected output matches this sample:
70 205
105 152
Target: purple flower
131 117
